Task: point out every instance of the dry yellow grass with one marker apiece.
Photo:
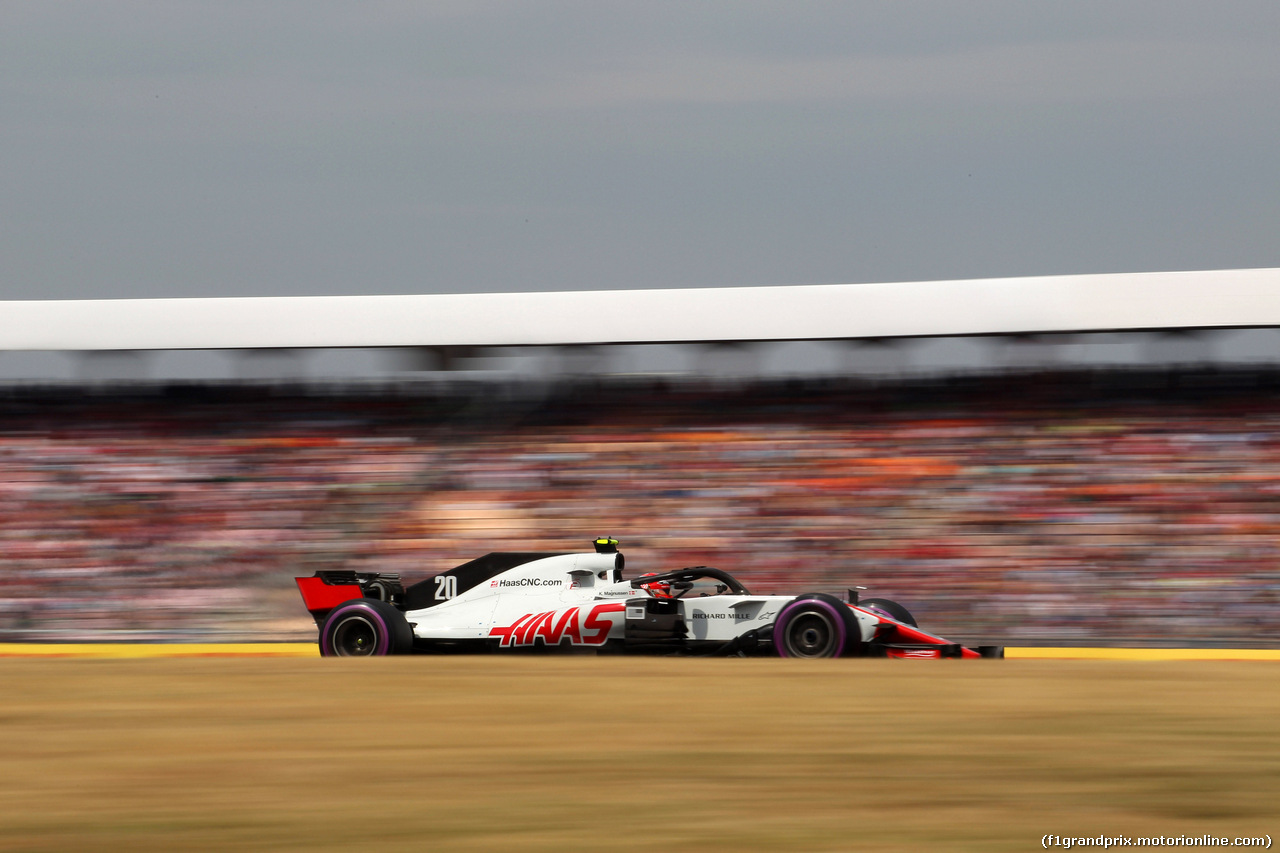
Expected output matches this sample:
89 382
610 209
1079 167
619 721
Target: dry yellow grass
580 754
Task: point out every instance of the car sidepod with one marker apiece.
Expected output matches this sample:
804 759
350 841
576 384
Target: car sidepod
587 626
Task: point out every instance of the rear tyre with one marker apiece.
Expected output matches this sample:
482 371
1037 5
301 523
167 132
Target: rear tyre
365 627
892 609
816 626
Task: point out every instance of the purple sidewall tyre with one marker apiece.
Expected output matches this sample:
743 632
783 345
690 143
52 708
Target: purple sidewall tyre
827 615
351 616
890 609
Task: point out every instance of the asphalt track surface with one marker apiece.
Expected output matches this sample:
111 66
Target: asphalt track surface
284 751
308 650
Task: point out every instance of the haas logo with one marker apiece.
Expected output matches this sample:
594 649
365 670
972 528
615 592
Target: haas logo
554 626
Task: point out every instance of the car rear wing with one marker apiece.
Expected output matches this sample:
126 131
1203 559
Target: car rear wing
325 590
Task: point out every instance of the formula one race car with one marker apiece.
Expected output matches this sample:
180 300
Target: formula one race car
580 602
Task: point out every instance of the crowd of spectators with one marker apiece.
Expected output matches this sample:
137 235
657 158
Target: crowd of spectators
1047 508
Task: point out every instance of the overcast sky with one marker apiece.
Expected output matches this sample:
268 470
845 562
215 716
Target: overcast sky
318 147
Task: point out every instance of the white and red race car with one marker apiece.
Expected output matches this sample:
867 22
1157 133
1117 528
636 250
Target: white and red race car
580 602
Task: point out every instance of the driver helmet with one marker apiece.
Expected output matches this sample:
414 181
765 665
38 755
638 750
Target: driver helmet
658 589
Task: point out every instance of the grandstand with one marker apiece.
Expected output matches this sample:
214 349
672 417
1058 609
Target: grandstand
1039 508
1035 502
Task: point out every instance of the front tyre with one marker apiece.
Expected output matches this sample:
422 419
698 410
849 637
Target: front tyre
365 627
892 609
816 626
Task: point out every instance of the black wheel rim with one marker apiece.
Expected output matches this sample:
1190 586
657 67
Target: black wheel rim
355 636
811 635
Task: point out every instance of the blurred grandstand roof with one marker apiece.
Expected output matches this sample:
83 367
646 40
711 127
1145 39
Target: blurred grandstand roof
1215 299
